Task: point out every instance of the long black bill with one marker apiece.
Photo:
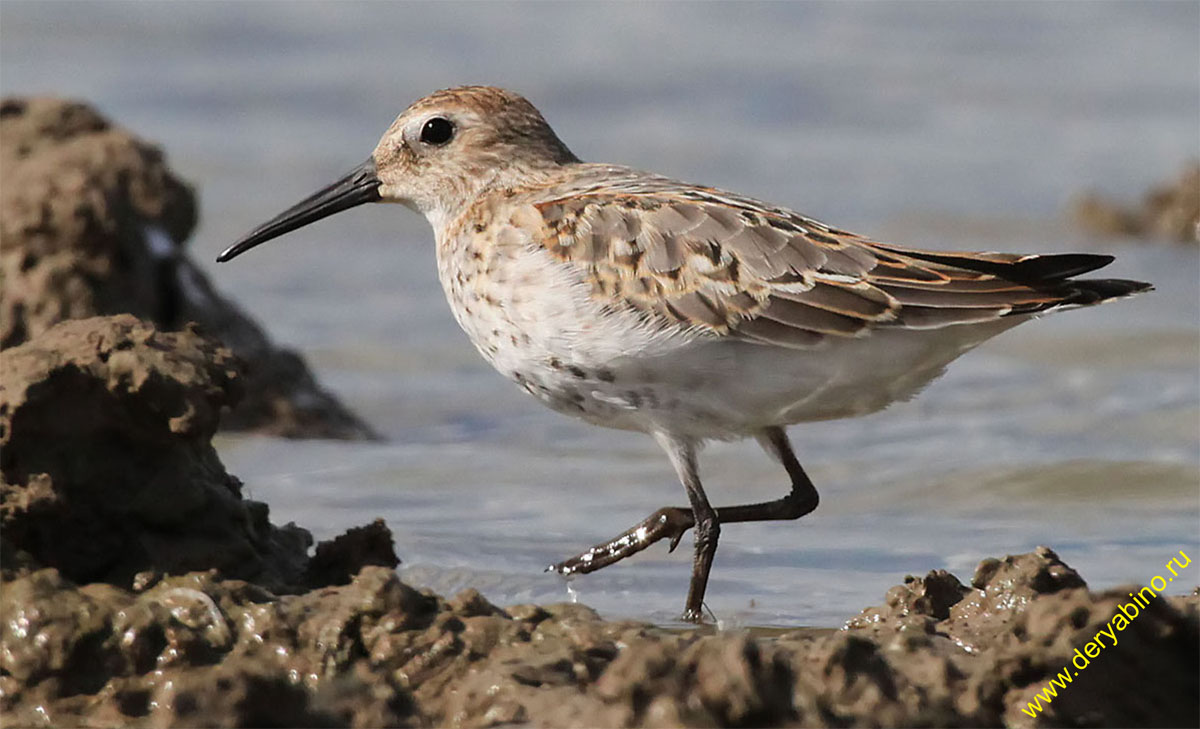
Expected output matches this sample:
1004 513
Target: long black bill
360 185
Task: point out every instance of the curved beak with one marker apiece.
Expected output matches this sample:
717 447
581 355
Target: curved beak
360 185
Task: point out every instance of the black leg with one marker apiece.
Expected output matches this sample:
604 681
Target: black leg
672 521
801 500
708 528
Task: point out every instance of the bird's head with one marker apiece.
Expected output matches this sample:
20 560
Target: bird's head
436 158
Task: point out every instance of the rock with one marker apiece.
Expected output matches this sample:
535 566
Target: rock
1170 211
1141 680
138 585
192 651
196 650
108 469
1017 627
94 223
338 560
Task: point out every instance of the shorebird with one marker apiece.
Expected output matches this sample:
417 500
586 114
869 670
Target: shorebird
636 301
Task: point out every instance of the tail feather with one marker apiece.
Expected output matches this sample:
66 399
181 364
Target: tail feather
1010 285
1096 290
1058 266
1023 269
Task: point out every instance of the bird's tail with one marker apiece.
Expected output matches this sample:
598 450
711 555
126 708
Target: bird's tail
1049 274
1089 291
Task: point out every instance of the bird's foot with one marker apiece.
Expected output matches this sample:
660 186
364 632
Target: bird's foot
669 522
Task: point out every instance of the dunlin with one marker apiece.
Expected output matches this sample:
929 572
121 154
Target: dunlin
640 302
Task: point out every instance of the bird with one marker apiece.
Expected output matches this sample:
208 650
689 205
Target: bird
640 302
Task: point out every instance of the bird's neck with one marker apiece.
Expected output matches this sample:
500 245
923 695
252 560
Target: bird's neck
490 184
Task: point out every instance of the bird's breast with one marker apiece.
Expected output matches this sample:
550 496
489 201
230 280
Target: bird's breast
537 321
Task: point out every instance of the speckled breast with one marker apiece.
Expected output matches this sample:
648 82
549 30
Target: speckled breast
537 322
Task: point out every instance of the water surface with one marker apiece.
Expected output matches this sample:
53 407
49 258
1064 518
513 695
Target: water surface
964 126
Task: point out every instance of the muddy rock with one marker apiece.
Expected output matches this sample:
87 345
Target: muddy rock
93 222
1148 677
138 586
338 560
971 616
108 470
1170 211
999 641
191 651
725 680
195 650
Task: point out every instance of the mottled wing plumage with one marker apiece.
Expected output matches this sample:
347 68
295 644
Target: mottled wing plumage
728 265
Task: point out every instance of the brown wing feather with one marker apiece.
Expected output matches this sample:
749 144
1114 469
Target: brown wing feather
732 266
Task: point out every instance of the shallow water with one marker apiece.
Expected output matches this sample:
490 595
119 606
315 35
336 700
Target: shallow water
961 126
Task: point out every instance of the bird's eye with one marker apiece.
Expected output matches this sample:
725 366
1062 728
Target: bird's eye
437 131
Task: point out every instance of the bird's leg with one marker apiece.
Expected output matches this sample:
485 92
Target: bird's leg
801 500
708 528
670 522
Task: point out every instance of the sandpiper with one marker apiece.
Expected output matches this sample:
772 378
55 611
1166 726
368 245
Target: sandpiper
640 302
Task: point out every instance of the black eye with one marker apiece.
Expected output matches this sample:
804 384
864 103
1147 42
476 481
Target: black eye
437 130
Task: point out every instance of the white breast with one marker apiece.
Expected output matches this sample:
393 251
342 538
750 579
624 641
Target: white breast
536 321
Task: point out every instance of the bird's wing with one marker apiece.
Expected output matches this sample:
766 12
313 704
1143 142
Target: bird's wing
729 265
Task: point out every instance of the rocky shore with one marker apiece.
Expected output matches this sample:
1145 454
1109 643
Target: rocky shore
94 222
141 589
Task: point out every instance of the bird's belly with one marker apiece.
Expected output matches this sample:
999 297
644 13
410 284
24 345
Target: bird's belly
579 365
730 389
727 388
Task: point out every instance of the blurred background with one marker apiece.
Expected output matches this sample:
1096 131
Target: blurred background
963 126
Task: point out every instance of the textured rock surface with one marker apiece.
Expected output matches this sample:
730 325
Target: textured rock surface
196 650
1017 626
108 469
94 222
